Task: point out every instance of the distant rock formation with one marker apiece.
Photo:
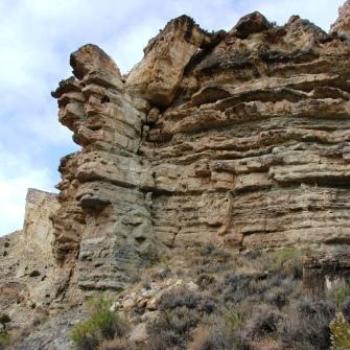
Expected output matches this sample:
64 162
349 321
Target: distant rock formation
27 261
238 137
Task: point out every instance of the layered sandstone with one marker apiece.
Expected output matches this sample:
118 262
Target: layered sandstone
27 263
342 26
238 137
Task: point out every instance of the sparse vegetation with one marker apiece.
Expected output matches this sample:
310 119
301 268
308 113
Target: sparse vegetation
181 310
340 294
260 301
340 329
306 325
103 324
4 335
4 340
219 333
116 344
172 329
256 303
286 260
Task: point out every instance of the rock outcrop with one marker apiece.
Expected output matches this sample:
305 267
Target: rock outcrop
103 226
37 227
342 25
325 272
238 138
158 76
27 262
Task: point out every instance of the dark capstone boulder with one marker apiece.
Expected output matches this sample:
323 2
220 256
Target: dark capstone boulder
252 23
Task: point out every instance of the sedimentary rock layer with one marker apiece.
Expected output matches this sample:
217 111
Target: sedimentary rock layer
239 137
27 264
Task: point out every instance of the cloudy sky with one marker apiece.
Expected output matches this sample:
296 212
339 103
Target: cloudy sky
36 38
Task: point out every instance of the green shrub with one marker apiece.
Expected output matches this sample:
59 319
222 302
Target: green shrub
103 324
180 312
340 294
172 328
232 319
340 333
219 333
178 297
4 336
345 308
307 325
287 259
4 340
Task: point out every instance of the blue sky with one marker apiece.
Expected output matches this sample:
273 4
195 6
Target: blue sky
36 38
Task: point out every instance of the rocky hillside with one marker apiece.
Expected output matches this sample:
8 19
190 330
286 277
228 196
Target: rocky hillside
213 177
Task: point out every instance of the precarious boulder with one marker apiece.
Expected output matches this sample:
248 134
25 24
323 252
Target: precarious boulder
159 74
253 23
90 58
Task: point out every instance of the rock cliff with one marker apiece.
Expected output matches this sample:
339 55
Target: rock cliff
239 139
27 262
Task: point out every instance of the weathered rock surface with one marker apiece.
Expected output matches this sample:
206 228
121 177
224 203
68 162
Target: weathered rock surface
28 267
240 138
37 228
159 74
342 25
324 272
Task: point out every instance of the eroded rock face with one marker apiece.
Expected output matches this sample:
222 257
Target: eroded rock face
252 23
239 137
159 74
28 268
37 228
325 272
103 227
342 25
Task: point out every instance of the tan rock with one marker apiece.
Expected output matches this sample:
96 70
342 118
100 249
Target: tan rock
342 24
160 72
238 138
90 58
37 228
